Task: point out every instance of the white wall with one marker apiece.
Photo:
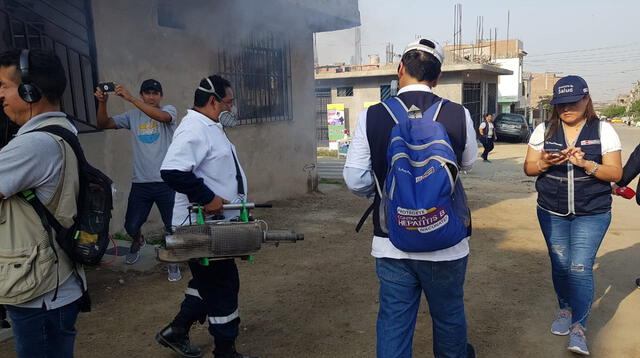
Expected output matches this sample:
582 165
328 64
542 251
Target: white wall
509 85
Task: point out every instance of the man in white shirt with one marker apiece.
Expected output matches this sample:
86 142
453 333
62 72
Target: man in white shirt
403 275
202 166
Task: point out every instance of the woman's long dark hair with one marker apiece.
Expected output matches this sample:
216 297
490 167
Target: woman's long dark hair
553 123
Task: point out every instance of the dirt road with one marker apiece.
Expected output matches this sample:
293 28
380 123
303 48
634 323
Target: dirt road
318 298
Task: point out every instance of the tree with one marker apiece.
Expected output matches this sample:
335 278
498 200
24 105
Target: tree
634 110
613 111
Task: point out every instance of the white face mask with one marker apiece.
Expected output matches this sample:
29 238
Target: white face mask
229 119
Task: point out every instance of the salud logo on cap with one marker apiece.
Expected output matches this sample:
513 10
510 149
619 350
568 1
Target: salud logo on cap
569 89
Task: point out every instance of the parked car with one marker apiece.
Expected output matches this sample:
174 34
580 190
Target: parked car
512 126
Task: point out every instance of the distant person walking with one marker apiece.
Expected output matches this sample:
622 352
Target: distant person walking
487 136
575 157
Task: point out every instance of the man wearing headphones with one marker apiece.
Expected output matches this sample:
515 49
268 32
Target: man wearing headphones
40 292
152 127
202 166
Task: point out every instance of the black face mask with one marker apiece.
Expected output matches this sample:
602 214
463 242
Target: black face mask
8 129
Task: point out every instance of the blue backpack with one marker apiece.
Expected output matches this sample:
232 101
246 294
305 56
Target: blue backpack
423 202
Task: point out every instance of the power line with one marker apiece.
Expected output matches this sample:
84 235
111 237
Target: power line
585 50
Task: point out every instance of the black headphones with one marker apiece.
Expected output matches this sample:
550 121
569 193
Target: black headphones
28 91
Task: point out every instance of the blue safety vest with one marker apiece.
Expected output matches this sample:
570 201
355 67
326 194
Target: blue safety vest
566 189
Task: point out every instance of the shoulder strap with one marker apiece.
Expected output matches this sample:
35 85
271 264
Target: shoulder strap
48 220
434 110
238 174
396 108
68 137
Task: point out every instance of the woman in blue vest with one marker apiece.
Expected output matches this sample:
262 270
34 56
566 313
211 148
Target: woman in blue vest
575 157
487 136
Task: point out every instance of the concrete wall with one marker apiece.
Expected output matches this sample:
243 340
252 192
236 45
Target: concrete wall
365 89
450 86
132 47
542 86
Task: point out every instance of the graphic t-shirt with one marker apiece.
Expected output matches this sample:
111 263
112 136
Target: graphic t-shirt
150 140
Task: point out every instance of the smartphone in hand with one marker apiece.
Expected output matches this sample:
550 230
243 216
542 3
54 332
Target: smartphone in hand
554 153
107 87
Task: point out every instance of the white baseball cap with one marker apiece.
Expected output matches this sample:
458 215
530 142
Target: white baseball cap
425 45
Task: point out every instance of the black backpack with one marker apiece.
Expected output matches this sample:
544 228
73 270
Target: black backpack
86 241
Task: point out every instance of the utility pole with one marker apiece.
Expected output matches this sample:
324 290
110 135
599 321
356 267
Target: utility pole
315 50
508 21
358 45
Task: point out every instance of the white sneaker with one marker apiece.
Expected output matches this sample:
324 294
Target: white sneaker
174 272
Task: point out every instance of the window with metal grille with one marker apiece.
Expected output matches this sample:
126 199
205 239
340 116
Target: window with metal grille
385 92
492 93
471 99
65 28
345 91
323 97
260 75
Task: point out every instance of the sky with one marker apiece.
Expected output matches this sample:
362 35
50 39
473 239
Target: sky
597 40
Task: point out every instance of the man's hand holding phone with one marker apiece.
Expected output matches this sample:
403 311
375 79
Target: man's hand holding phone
103 89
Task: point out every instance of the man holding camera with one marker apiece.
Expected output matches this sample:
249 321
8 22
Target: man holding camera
152 127
38 285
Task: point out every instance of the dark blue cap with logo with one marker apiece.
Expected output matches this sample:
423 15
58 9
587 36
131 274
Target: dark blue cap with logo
151 85
569 89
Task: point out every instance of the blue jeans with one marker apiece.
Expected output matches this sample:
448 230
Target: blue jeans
572 242
40 333
401 285
141 199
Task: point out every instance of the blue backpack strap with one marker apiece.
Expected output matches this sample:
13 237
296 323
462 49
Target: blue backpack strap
396 108
434 110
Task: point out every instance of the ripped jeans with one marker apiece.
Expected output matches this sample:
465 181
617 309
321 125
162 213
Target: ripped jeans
573 242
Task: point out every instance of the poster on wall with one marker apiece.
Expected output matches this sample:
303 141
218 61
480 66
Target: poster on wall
335 121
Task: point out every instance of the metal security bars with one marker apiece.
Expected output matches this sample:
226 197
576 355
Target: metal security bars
323 97
344 91
471 99
385 92
260 75
67 29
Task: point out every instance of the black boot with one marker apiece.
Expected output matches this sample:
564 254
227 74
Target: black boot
227 349
177 338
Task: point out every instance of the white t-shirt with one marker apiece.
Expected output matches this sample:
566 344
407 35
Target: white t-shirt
609 140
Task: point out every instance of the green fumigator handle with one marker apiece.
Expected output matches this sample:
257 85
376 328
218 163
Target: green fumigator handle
200 216
244 214
244 217
200 220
